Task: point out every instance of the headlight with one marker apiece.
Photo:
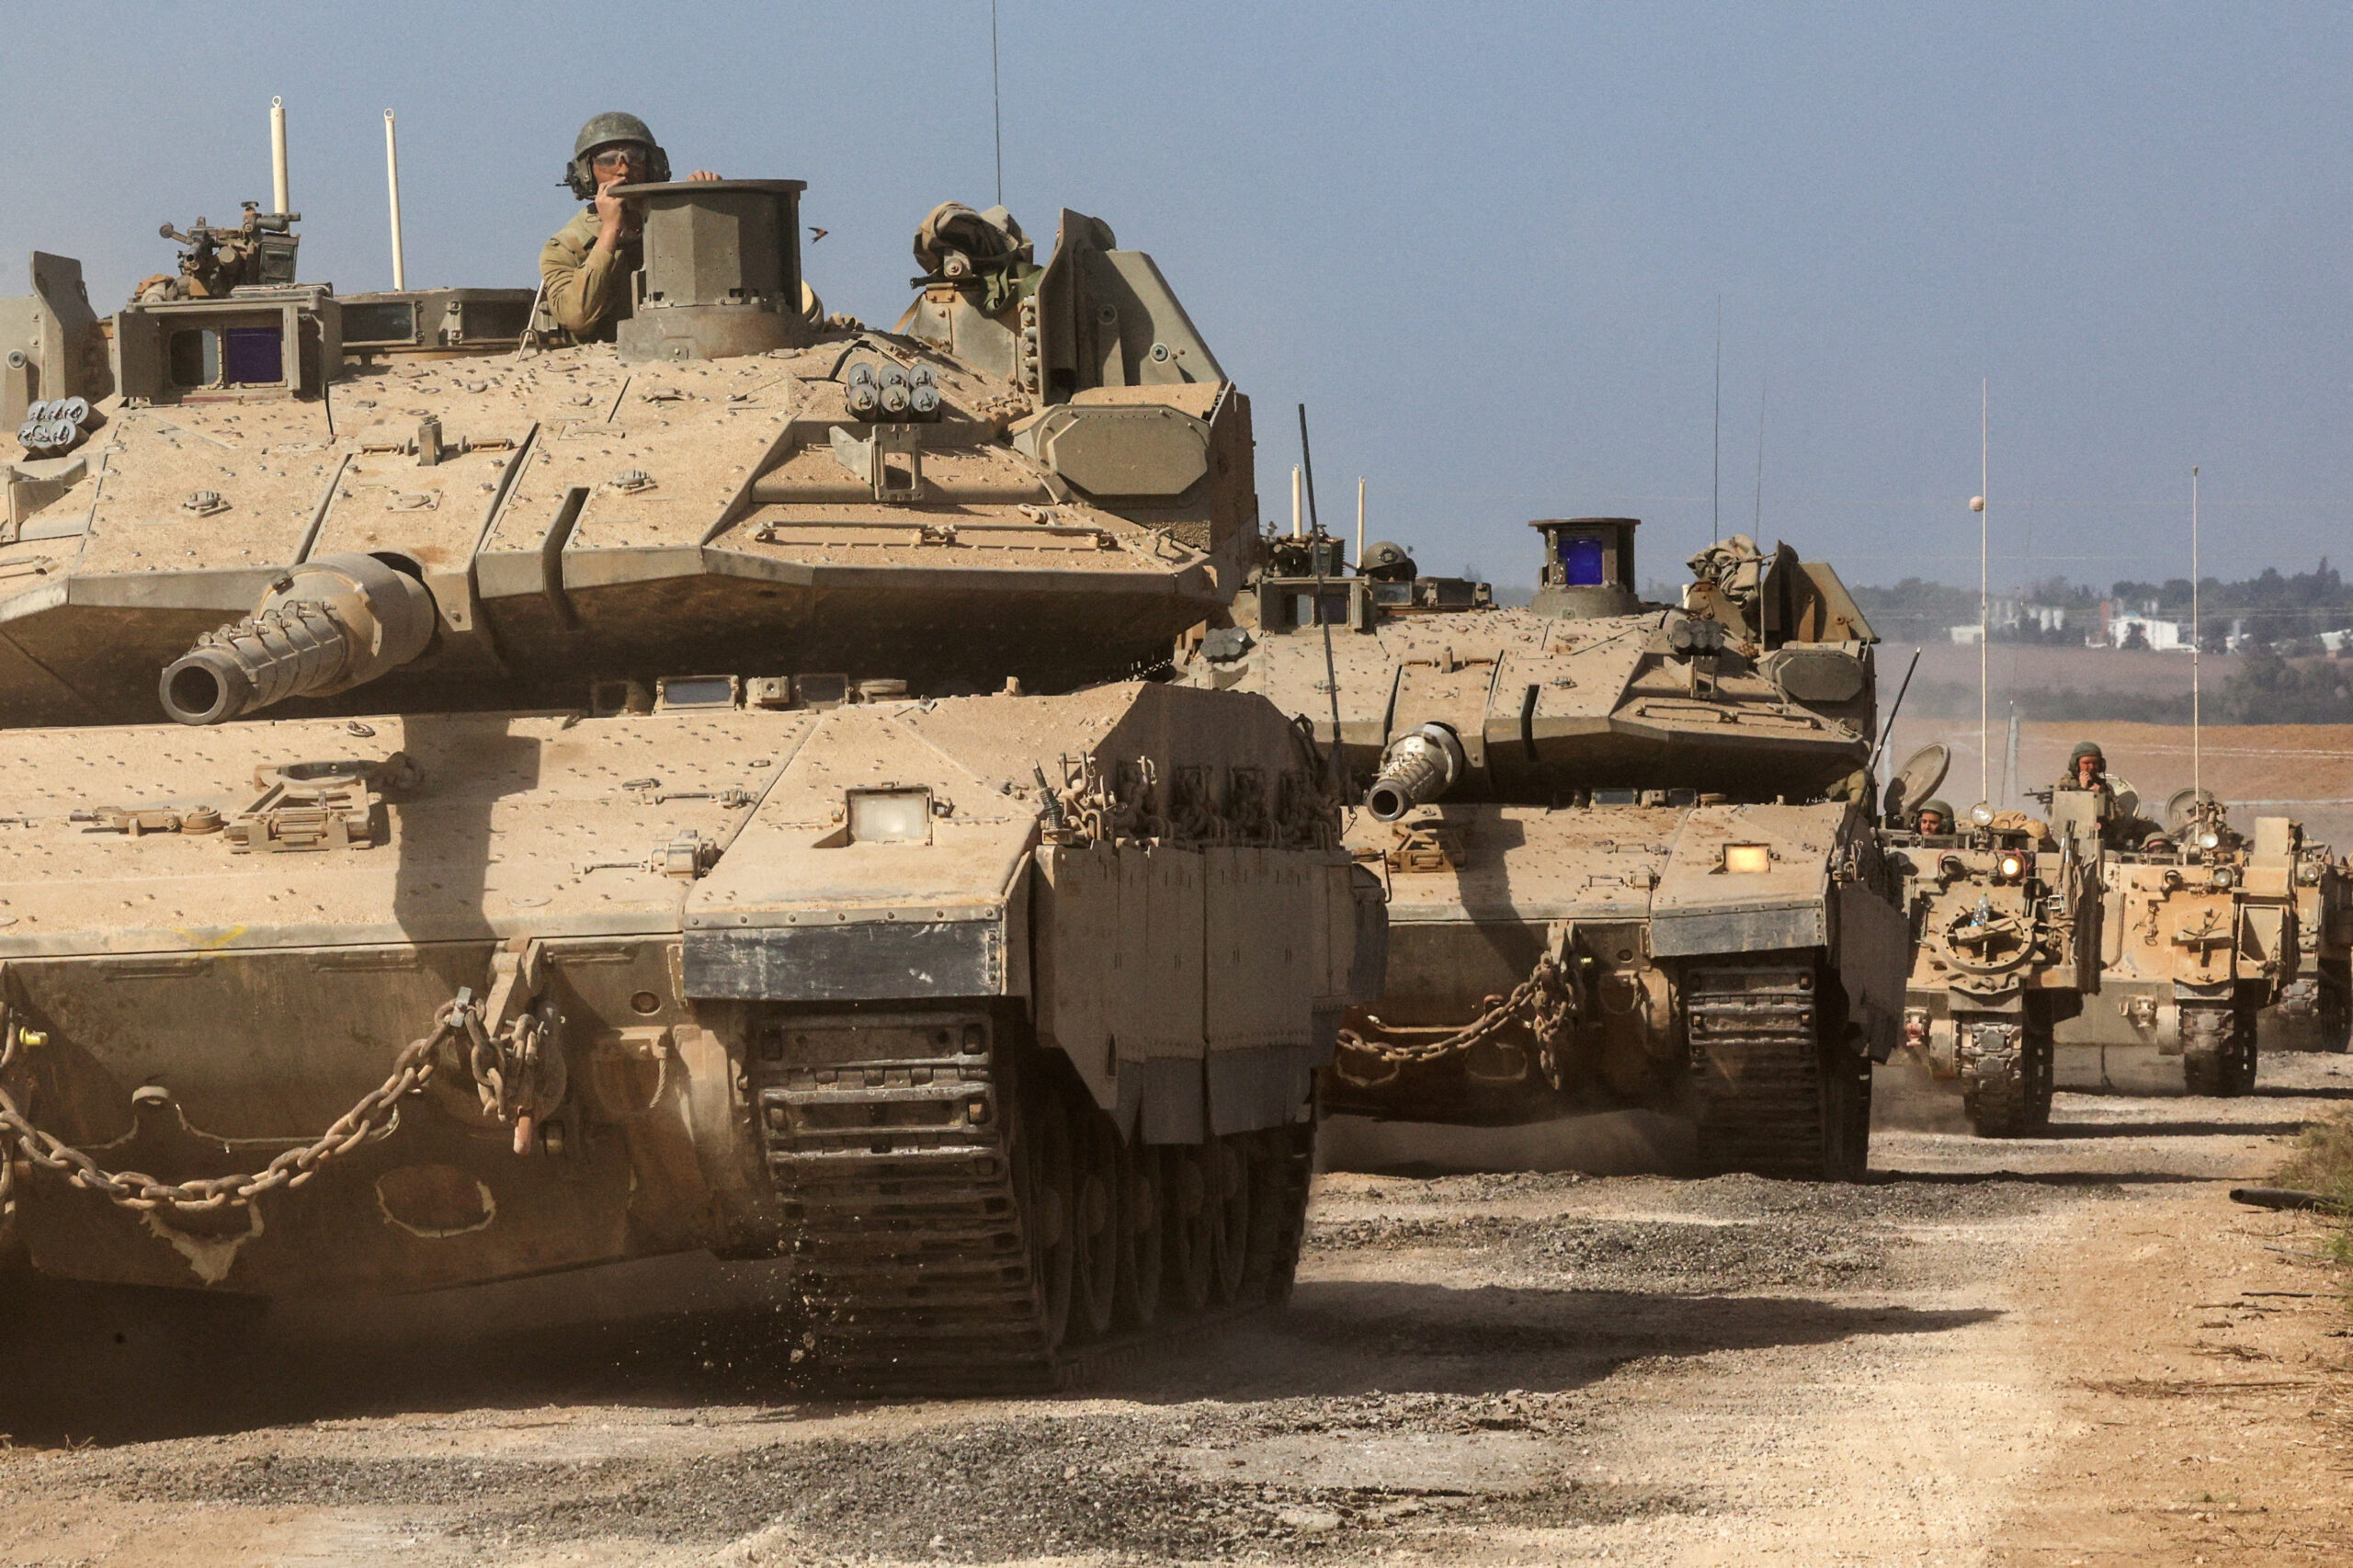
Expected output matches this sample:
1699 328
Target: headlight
2011 866
890 816
1748 859
1981 814
2224 877
2210 839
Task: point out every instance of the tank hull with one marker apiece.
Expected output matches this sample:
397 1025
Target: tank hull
731 972
1629 908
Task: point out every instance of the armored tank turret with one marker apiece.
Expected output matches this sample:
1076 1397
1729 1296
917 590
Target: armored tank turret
1626 850
501 805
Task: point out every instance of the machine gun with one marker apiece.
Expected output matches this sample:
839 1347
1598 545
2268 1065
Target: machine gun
258 251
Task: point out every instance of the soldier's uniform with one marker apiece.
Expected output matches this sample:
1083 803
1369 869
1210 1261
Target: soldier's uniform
586 292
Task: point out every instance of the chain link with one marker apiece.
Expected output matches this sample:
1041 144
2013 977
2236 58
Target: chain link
375 1117
1544 996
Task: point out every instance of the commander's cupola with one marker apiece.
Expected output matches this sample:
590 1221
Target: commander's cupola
1588 567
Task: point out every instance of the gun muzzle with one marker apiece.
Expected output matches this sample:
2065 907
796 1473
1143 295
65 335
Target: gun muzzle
1417 768
325 626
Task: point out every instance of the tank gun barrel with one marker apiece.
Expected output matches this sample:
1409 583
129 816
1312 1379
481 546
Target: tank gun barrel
325 627
1417 768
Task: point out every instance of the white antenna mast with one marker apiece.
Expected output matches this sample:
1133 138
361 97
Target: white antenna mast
392 179
277 155
2197 776
1977 504
1359 519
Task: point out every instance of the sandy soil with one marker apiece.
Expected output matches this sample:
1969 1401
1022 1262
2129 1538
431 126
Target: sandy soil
2070 1350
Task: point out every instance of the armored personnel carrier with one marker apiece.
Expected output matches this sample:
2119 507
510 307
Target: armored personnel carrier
2315 1010
1624 843
2198 935
2006 935
497 808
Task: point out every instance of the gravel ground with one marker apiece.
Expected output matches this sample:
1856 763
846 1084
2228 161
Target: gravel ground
1477 1368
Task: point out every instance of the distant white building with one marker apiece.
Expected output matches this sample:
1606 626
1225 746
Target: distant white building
2161 635
1967 636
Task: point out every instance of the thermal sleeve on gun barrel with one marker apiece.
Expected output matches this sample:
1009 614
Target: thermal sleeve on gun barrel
325 627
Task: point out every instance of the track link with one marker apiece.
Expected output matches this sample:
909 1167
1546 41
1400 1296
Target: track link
1772 1097
2214 1059
2006 1075
919 1256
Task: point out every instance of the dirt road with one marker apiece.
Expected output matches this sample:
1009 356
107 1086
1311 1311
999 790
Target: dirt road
2073 1350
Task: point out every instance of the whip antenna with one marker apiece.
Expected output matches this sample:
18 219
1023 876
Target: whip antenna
2197 776
997 104
1718 523
1977 504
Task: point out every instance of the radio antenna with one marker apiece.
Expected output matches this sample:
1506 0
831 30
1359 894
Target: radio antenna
1757 523
2197 642
1718 524
996 104
1984 458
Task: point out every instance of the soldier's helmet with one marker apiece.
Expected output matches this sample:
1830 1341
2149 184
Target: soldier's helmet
2087 749
1389 562
607 130
1944 809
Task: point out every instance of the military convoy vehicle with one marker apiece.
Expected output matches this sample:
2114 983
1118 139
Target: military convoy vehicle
2198 935
2315 1010
1625 847
500 807
2005 939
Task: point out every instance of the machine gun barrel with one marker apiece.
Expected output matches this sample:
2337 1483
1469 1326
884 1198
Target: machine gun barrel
325 627
1417 768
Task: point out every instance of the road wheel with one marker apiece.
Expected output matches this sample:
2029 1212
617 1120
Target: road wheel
1043 1152
1845 1112
2336 1004
1143 1235
1095 1212
1190 1225
1227 1161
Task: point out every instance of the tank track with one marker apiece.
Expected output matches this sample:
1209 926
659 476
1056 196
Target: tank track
2218 1049
2005 1076
2334 1007
914 1251
1776 1094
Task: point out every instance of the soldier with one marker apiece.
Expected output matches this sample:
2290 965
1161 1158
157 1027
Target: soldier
2087 769
1387 563
1936 819
584 268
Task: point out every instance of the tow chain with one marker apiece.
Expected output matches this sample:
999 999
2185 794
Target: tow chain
1544 997
375 1117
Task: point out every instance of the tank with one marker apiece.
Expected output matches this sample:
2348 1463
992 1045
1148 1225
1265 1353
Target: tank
2315 1009
485 806
2005 916
2198 935
1626 852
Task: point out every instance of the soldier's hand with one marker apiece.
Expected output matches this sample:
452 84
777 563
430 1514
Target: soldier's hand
702 173
612 213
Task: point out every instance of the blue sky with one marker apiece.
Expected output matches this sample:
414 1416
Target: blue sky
1485 245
